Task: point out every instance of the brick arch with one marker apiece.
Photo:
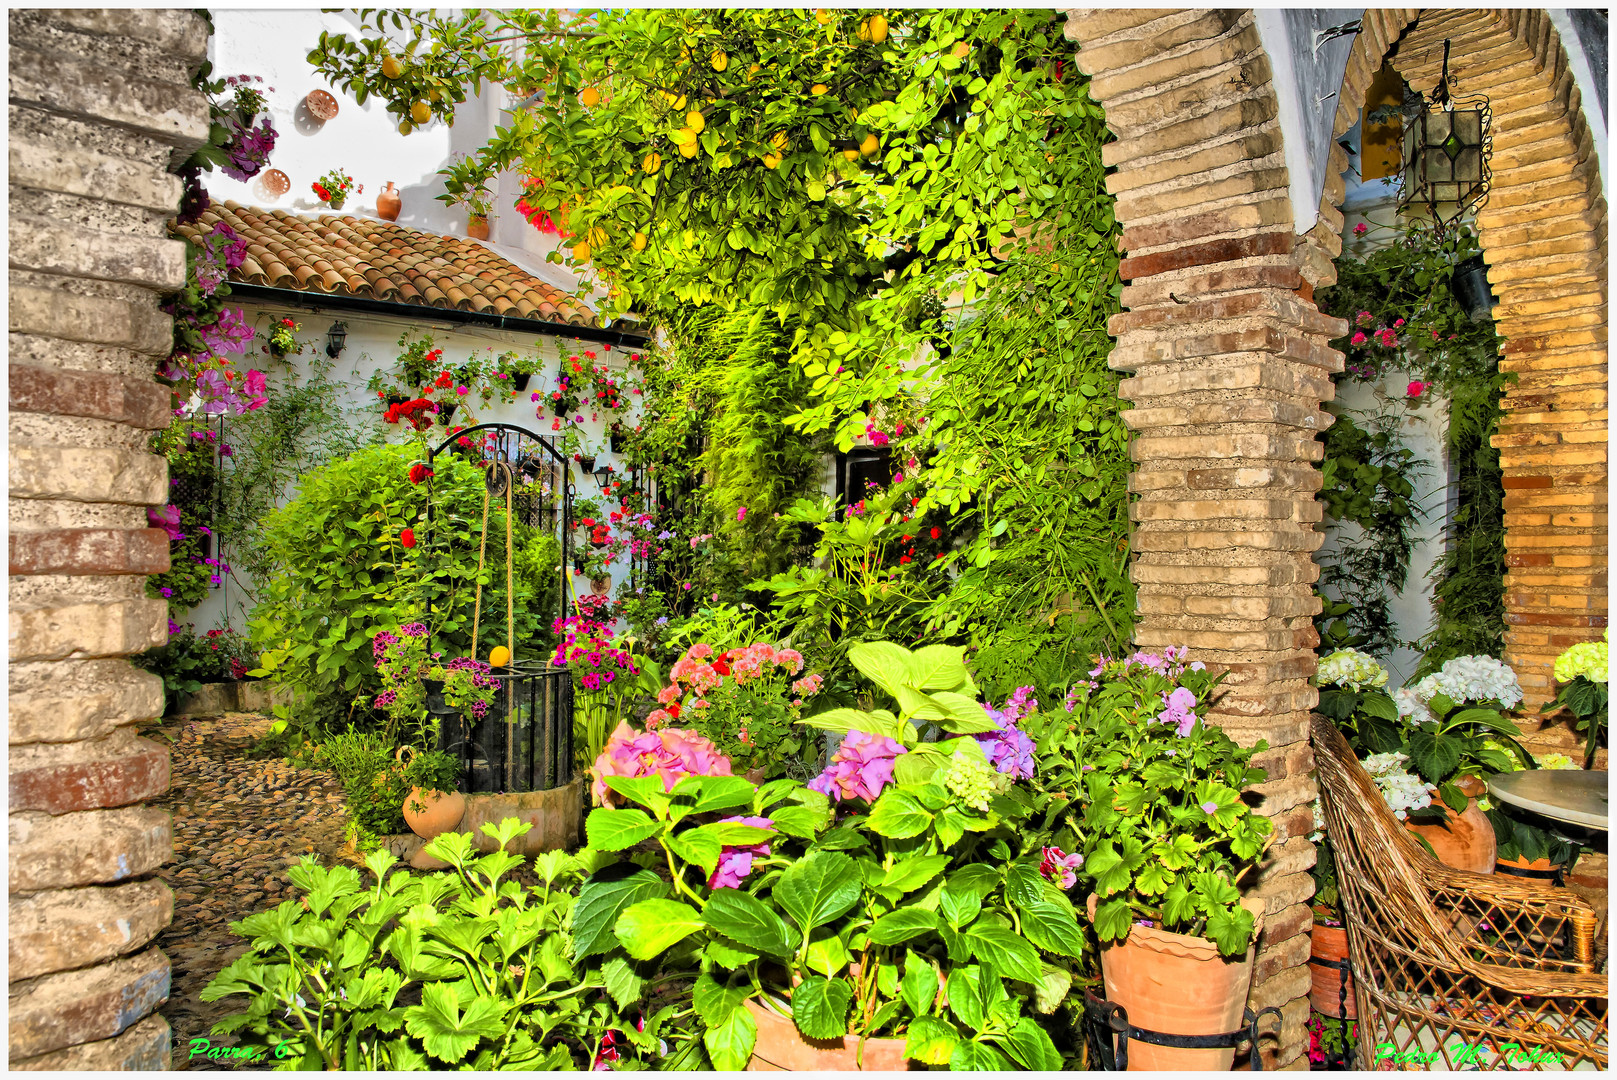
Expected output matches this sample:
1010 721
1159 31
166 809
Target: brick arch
1543 233
1229 366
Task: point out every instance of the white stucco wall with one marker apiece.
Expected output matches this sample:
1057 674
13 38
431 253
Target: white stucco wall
372 344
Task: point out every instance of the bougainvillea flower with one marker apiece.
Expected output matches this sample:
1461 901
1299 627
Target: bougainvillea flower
1060 867
735 863
861 767
167 519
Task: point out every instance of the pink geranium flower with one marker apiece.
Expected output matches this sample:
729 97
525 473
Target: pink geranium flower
1060 867
1358 338
1416 388
167 519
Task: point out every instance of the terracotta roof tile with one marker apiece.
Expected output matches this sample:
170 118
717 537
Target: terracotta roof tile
364 257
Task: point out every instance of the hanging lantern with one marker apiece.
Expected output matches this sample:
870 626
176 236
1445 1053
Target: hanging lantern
1447 144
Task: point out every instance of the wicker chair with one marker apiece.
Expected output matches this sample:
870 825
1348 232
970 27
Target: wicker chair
1452 968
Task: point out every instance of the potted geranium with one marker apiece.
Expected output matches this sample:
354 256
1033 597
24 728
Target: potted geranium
333 188
746 700
466 184
281 341
517 367
1156 812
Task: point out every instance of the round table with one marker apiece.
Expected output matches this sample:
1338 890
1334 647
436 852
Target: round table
1572 796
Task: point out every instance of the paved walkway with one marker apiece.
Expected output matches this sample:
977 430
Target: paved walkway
239 821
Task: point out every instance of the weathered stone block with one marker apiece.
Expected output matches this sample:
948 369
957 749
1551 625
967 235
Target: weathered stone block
81 89
145 1047
84 1006
88 474
84 699
91 847
96 394
68 630
54 247
74 928
60 778
89 551
100 320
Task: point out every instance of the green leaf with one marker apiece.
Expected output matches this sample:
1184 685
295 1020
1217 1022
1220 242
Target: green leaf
846 720
700 846
820 1007
650 927
883 663
910 874
1230 929
1112 920
827 955
622 982
714 1001
1434 756
902 925
615 830
1377 704
966 715
730 1043
977 1057
744 918
1010 955
1052 989
966 996
898 815
930 1040
447 1033
800 821
602 899
1051 927
936 667
645 790
711 793
919 987
816 889
727 954
1030 1045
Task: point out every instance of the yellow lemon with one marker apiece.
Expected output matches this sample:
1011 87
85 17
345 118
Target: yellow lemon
688 149
752 70
720 59
778 141
499 656
581 251
851 155
822 16
638 242
863 33
695 121
682 136
818 88
877 27
421 112
405 127
652 162
391 68
589 97
771 161
870 145
597 236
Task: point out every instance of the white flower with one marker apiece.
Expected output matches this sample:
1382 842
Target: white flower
1319 822
1404 792
1557 761
1410 705
1352 669
1590 659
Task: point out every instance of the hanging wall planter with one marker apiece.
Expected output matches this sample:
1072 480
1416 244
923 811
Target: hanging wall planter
321 105
447 412
519 381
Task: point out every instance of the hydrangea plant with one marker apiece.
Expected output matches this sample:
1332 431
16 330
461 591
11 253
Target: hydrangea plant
1585 669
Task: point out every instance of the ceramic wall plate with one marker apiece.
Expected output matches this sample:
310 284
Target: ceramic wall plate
274 183
321 105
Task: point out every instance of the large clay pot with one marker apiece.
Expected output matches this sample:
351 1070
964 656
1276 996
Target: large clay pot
1178 985
1330 943
388 203
782 1048
1465 841
441 811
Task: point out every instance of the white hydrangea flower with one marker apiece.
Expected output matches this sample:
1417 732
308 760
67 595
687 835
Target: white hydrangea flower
1350 668
1557 761
1319 822
1462 679
1402 790
1411 706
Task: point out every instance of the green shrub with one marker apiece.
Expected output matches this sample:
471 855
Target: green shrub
338 572
373 781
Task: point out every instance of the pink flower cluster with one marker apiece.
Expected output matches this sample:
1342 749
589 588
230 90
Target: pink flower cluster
671 754
1060 867
735 863
861 767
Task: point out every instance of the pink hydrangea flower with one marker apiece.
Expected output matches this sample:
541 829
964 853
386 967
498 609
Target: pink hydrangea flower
861 767
735 863
671 754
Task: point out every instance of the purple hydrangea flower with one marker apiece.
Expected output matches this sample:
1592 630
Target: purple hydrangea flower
735 863
861 767
1010 750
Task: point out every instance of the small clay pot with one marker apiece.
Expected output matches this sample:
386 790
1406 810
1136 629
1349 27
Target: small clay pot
1330 943
388 203
477 227
1465 841
782 1048
441 811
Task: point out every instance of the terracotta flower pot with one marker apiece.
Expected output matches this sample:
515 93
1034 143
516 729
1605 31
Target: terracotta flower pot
1330 943
388 203
1178 985
1533 872
440 811
782 1048
477 227
1465 841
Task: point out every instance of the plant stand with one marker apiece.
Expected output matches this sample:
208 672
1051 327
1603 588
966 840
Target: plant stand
1106 1021
1343 1060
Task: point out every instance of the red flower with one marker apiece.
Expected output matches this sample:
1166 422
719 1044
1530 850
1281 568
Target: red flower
445 380
1416 388
672 708
936 532
419 472
407 538
902 559
721 668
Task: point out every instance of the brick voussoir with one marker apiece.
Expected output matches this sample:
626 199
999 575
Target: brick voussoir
140 772
89 551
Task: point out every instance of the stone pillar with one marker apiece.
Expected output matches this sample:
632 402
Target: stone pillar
100 104
1230 365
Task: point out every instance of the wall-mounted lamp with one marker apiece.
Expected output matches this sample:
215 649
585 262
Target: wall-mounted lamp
335 337
603 476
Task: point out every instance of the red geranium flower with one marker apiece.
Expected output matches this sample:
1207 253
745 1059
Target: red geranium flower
407 538
721 668
672 708
419 472
936 532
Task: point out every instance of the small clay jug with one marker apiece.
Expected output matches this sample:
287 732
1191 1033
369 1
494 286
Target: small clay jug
477 227
388 203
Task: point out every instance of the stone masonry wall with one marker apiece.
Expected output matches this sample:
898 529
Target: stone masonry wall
1229 367
1543 232
100 102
